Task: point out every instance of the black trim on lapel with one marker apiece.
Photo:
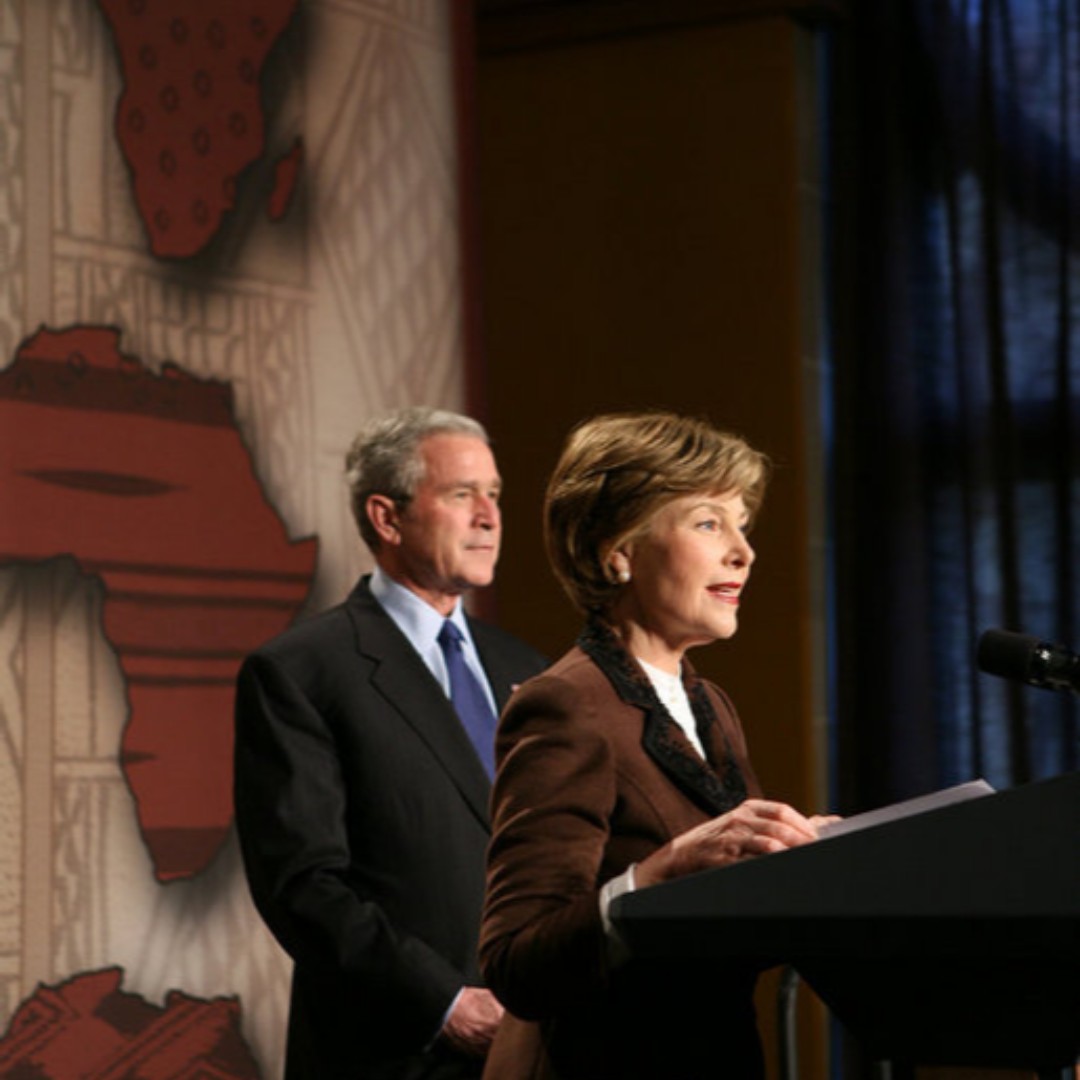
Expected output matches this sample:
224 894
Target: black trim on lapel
404 680
718 785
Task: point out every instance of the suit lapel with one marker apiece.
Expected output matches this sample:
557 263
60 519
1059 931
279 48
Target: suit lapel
666 743
409 688
717 785
499 675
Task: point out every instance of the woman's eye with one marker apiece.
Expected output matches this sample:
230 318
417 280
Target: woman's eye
709 524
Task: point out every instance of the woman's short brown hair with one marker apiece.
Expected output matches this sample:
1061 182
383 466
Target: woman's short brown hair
617 471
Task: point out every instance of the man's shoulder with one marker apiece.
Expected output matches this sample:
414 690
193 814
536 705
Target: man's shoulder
492 638
320 630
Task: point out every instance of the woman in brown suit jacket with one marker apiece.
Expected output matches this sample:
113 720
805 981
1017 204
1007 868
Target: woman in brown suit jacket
620 768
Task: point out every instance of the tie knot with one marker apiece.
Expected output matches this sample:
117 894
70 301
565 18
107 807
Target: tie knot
450 635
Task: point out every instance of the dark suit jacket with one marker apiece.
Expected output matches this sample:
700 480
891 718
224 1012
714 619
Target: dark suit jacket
595 775
362 812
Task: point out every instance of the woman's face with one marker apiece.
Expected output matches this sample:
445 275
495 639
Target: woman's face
687 574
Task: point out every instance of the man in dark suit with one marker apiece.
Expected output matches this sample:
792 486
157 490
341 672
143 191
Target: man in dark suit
361 798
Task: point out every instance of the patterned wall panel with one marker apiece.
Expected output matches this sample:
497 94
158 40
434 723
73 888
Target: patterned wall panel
12 726
345 307
12 175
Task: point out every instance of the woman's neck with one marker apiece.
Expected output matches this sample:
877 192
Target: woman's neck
640 643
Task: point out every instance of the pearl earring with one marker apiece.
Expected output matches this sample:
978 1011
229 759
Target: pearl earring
622 576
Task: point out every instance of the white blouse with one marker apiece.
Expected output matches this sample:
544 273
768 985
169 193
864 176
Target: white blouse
671 692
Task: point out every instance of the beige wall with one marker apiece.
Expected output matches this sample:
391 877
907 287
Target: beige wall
648 237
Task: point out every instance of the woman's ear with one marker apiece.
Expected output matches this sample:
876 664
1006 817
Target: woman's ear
383 514
617 564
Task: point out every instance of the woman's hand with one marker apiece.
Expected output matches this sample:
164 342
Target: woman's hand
755 827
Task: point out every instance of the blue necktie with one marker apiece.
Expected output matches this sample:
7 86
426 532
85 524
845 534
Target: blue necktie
468 697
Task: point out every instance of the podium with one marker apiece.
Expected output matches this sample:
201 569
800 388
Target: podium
951 937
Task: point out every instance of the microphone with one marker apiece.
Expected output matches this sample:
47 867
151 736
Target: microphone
1028 660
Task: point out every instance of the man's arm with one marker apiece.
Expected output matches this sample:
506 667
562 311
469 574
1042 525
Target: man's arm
290 810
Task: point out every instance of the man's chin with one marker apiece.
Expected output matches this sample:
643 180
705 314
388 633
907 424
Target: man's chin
479 571
477 579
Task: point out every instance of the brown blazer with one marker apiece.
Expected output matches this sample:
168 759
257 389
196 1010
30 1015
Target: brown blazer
593 776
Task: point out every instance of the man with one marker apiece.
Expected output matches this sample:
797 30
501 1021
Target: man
361 800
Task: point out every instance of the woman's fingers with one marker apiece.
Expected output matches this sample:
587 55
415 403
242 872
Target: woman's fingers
778 821
755 827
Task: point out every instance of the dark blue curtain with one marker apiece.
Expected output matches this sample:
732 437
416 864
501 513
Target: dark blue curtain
958 391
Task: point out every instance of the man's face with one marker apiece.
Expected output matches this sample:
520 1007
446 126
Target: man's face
449 534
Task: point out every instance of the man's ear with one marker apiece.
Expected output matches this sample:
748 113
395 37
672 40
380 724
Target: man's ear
383 514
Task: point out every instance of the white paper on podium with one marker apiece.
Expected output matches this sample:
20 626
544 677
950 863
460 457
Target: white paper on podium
973 789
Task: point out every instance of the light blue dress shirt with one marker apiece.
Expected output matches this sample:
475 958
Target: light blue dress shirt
421 624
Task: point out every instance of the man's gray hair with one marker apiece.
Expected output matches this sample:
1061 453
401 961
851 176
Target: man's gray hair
384 458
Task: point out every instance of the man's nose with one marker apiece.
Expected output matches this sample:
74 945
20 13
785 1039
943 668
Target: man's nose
487 512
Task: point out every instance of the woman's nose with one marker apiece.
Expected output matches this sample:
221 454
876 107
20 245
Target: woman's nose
741 553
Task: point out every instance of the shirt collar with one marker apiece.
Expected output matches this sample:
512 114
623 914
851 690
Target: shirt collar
418 620
660 678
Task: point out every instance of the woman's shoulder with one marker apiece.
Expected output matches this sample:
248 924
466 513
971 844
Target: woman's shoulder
718 697
573 670
572 686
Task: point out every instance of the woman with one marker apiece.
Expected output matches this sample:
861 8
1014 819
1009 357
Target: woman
620 768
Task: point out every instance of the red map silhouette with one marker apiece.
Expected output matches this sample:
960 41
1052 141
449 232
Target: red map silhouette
89 1028
144 481
190 120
